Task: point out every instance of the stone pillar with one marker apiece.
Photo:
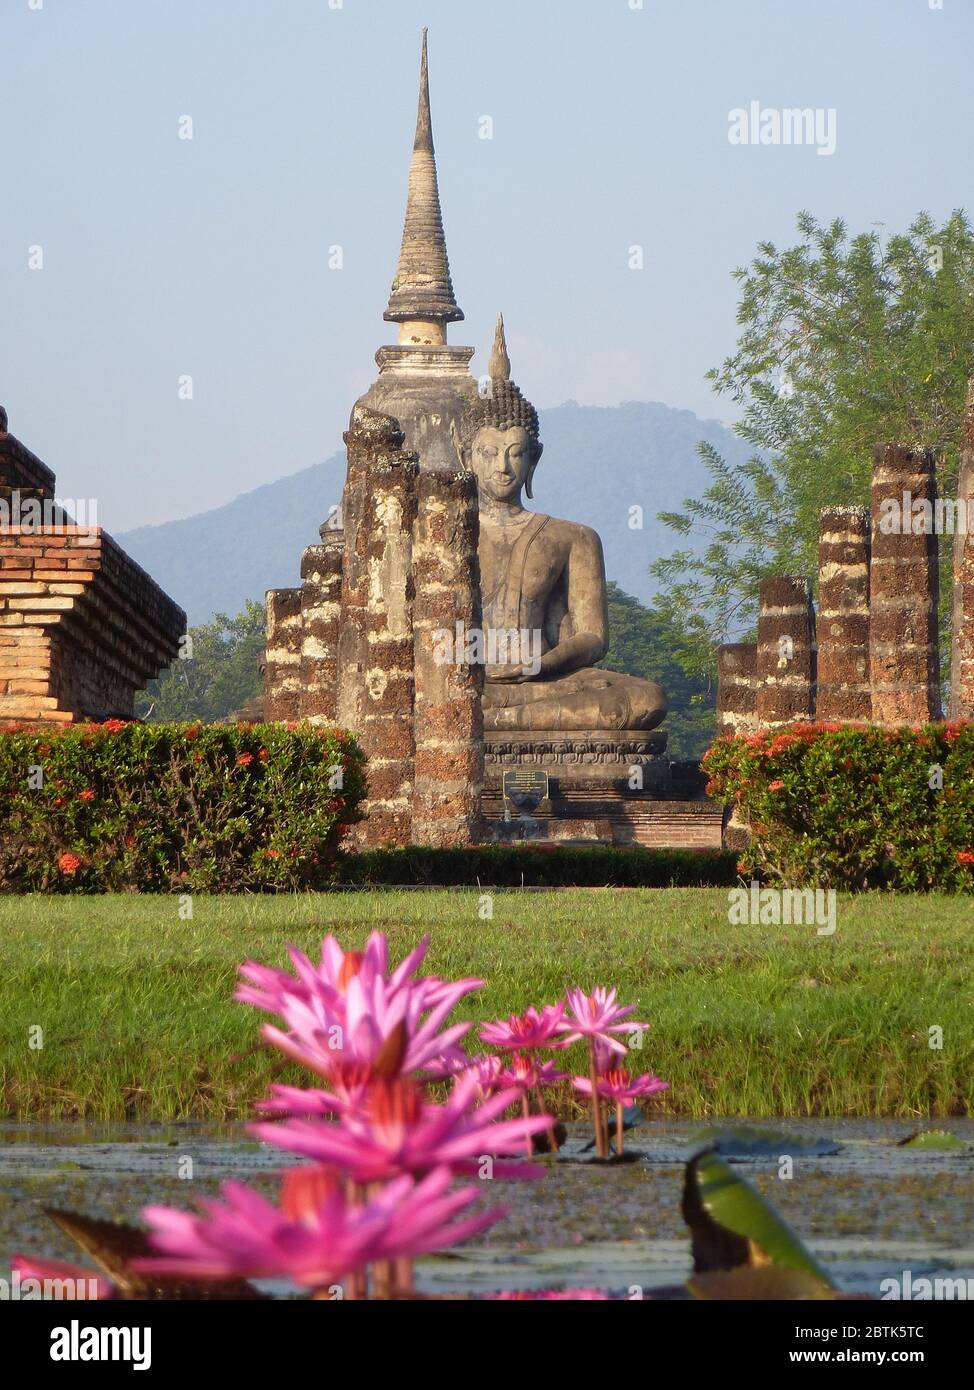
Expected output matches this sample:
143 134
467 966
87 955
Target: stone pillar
449 722
737 666
843 692
904 662
386 720
786 651
321 570
367 433
962 612
282 675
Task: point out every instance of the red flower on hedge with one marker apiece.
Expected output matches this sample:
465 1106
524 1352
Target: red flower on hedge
245 759
68 863
776 785
263 755
114 726
193 732
86 795
272 854
965 856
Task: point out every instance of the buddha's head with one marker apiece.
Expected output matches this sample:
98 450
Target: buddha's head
506 447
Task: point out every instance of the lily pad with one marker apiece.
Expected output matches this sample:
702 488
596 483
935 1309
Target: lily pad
732 1225
742 1143
939 1139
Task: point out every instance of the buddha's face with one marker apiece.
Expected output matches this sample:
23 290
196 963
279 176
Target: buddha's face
502 461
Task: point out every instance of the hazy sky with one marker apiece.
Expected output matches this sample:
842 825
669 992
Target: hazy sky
209 257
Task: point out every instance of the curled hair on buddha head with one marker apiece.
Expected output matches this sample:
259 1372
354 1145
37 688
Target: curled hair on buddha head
504 406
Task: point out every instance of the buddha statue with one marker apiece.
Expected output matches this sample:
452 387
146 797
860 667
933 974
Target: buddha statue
543 589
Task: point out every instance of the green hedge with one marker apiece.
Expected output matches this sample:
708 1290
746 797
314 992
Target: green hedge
114 807
837 806
540 866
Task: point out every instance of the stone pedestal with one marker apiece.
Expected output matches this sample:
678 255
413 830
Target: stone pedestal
904 660
615 787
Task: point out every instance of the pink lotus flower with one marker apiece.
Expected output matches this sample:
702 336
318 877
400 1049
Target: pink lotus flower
345 1013
524 1032
270 987
617 1086
397 1130
31 1267
596 1016
486 1068
316 1237
529 1074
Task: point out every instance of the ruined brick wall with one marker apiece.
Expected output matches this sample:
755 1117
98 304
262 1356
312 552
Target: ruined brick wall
737 688
904 657
82 627
385 730
366 433
786 651
354 646
843 688
871 653
321 606
282 655
20 470
449 721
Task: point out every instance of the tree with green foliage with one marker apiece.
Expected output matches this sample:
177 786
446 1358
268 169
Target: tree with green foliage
644 642
845 343
220 673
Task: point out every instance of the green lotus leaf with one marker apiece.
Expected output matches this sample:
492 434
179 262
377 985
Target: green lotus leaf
750 1282
932 1139
732 1225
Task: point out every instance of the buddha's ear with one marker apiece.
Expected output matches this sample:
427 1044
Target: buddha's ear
539 449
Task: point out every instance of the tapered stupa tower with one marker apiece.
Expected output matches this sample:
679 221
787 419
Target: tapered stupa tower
424 383
422 300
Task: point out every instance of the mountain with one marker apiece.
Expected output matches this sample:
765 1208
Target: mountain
598 462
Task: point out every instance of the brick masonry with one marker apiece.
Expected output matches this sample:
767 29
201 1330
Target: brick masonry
737 688
786 651
82 626
449 722
871 653
904 659
354 644
843 691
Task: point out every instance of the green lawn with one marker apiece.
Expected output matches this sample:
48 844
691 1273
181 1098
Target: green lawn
138 1019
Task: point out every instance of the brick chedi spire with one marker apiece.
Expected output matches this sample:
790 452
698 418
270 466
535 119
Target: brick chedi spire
422 300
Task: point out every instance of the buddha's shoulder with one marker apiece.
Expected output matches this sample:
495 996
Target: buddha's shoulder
572 531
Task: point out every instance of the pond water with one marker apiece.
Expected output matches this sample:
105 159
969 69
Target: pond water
869 1209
